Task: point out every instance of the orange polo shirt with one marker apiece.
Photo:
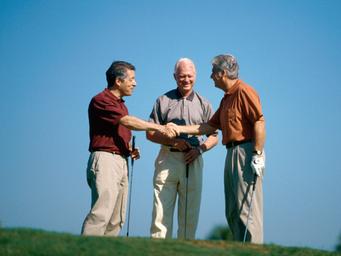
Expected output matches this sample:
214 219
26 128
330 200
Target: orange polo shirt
238 111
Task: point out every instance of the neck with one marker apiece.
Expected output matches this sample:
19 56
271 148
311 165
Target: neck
185 93
116 92
230 83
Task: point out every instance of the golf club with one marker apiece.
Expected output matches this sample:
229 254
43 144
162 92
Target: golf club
131 186
187 169
250 209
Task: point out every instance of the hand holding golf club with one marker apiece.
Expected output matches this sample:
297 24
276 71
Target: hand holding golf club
258 164
135 154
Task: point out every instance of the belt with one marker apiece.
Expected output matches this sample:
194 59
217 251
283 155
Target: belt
177 150
236 143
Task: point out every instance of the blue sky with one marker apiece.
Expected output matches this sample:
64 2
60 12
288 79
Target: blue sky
54 55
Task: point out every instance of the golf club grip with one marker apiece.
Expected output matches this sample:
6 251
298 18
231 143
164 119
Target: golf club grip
254 182
133 144
133 148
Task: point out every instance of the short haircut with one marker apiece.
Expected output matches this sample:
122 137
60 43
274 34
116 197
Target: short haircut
182 60
227 62
118 69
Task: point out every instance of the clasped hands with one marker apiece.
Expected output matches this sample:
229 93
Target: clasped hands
170 130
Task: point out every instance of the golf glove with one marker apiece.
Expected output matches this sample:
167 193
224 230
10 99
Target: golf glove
258 164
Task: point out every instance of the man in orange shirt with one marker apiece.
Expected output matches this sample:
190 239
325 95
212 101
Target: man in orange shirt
241 120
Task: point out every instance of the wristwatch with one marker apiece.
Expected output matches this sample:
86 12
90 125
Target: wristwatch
257 152
201 151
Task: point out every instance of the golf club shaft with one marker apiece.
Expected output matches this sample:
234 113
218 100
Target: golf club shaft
250 208
131 186
187 170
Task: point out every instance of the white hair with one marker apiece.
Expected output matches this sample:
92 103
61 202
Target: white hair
182 60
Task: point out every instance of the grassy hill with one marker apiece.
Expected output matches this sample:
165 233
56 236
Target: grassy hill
38 242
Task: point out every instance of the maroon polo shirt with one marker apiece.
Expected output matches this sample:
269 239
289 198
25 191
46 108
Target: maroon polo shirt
106 134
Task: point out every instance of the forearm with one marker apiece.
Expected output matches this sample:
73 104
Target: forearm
259 131
201 129
159 138
137 124
210 142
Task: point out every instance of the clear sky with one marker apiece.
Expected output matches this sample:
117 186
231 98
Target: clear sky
53 58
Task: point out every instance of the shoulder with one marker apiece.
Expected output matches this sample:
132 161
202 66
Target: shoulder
104 100
100 97
201 97
205 102
170 95
246 89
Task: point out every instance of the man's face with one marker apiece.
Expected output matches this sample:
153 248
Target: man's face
185 77
217 76
128 84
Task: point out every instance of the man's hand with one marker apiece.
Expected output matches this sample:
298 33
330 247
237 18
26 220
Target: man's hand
168 131
181 145
135 154
191 155
258 164
175 128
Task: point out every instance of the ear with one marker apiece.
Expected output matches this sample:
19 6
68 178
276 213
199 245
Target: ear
174 75
118 82
225 73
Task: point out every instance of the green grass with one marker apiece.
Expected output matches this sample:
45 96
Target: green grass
38 242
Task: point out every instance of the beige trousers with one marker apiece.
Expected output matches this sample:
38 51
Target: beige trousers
239 182
107 176
170 183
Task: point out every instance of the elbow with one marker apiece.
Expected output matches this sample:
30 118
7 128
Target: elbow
215 142
149 135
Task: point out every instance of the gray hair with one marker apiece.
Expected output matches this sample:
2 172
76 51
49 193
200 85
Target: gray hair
227 62
118 69
177 64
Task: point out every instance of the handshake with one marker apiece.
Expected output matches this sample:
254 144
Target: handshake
170 130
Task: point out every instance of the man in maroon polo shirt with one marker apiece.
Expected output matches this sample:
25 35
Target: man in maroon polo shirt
107 172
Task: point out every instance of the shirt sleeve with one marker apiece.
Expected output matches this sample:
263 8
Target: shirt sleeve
251 105
208 112
215 119
208 115
155 116
106 111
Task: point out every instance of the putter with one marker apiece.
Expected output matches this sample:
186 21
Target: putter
131 186
250 209
187 169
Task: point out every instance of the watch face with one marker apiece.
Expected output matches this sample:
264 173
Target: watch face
257 152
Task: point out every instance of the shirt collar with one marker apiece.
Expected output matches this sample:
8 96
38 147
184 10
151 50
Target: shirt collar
112 96
189 97
233 88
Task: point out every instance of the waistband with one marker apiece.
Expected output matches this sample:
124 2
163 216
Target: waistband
109 152
175 149
236 143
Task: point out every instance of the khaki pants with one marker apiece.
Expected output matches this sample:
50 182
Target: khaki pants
107 176
238 189
170 182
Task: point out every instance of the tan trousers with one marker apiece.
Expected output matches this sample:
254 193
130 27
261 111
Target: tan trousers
170 182
107 176
238 189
